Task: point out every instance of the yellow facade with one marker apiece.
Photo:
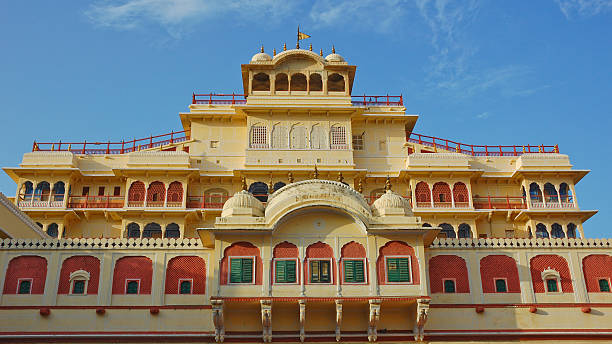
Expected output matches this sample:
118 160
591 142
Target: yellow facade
300 212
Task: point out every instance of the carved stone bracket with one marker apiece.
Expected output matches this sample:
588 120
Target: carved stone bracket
338 319
217 316
374 318
421 318
266 320
302 304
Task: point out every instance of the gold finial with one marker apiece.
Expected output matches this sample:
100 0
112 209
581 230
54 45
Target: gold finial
274 52
388 184
321 52
360 186
290 177
310 47
70 147
284 46
244 185
333 49
271 185
458 149
262 48
52 146
340 177
315 175
557 149
297 45
523 149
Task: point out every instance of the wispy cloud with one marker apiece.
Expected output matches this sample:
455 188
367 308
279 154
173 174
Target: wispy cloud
483 115
175 15
380 15
583 8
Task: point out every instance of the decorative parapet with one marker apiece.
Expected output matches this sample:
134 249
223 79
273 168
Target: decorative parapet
178 159
100 243
472 243
55 159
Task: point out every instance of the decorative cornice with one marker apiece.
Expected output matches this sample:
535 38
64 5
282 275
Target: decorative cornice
505 243
100 243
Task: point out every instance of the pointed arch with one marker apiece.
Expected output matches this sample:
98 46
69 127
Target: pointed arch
156 193
280 137
442 195
297 136
422 195
136 194
318 137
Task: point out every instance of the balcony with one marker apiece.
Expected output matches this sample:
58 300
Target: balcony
233 99
92 202
206 201
552 202
41 201
499 202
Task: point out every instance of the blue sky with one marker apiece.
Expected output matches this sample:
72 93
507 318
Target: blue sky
479 72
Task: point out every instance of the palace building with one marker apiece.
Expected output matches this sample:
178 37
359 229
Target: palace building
298 211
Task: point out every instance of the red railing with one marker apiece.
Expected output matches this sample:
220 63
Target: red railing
80 202
113 147
212 98
477 150
377 100
206 201
499 202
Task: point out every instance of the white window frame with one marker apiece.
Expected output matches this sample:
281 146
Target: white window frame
365 271
609 285
505 279
127 280
454 281
80 275
297 272
181 280
332 144
409 267
19 283
331 267
550 273
358 137
254 145
229 271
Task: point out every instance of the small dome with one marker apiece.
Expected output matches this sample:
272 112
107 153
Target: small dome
242 203
391 203
333 57
261 57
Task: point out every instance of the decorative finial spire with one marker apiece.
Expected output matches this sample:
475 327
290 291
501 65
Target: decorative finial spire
360 186
340 177
333 49
297 45
315 175
262 48
284 46
274 52
244 184
321 52
310 47
270 185
290 177
388 184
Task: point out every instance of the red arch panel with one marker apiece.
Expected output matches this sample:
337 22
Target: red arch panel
285 250
137 267
448 266
34 267
186 267
320 250
499 266
441 188
175 192
90 264
397 248
241 248
596 266
422 193
136 192
353 250
542 262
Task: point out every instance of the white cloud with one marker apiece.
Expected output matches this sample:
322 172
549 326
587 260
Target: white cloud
583 8
483 115
380 15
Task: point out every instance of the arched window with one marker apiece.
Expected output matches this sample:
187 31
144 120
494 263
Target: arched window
39 225
298 82
259 190
499 274
337 137
550 267
58 191
133 230
156 194
335 83
53 230
354 265
152 230
535 193
279 137
42 191
25 275
571 230
172 231
464 231
551 193
279 185
556 231
259 136
447 231
136 194
315 84
317 137
261 82
444 268
175 194
565 193
241 264
529 232
426 224
320 264
422 194
285 263
28 190
79 275
460 194
215 198
442 195
541 231
186 275
297 137
281 83
133 275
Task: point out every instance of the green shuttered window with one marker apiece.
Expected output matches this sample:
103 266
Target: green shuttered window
285 271
398 270
185 287
241 270
500 286
25 287
78 287
132 287
604 285
551 285
449 286
320 271
354 271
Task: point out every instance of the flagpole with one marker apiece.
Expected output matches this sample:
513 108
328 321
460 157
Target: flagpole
297 45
